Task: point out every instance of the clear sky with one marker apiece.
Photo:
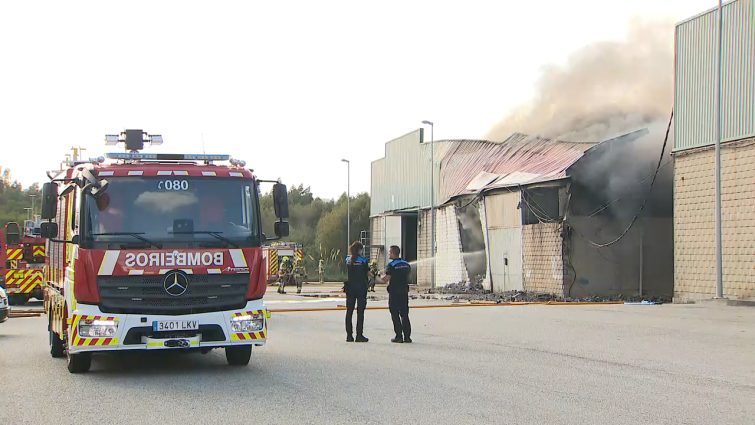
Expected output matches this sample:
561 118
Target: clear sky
289 86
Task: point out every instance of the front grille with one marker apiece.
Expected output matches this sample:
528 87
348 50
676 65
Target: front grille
146 294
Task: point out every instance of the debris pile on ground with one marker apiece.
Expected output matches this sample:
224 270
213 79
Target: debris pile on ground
474 291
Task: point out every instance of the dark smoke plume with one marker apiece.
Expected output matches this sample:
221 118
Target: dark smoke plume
604 90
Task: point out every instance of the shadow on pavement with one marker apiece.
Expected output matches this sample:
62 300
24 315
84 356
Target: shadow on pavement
159 363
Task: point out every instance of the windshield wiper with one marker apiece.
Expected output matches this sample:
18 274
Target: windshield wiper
132 234
216 235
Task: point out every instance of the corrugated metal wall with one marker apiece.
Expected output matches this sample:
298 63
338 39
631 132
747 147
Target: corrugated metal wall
696 61
401 179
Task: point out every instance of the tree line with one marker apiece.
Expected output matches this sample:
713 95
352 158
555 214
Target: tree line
320 226
14 199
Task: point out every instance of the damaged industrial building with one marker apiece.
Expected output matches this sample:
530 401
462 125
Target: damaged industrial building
566 218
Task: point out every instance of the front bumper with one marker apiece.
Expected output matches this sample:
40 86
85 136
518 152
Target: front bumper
135 331
4 313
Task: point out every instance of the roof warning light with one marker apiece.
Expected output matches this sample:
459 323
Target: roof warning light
133 139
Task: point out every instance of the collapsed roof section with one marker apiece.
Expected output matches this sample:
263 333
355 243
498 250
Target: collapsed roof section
476 166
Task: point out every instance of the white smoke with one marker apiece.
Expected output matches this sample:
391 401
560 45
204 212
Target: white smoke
604 90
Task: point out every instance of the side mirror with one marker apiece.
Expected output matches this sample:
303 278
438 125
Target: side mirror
48 230
49 201
280 200
281 229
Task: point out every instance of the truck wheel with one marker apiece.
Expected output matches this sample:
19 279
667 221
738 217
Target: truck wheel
238 356
56 344
79 363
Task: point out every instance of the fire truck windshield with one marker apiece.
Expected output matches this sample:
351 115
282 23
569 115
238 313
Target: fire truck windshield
173 212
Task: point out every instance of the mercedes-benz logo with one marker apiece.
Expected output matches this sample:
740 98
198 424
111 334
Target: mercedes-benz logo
176 283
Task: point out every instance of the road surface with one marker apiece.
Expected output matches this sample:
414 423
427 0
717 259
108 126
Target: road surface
518 365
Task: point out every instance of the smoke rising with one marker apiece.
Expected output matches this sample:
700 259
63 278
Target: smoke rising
604 90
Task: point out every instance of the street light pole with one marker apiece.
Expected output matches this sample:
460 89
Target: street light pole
28 213
719 238
432 202
33 197
348 203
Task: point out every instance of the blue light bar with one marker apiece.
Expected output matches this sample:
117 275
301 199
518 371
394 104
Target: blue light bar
203 157
167 156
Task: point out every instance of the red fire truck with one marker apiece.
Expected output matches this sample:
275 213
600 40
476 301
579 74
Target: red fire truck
22 268
273 256
155 252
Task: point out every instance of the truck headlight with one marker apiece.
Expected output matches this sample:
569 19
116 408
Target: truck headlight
248 323
97 328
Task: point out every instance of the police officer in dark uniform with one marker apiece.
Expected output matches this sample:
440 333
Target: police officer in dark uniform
356 290
397 274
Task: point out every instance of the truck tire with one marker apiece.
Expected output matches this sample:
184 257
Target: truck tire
79 363
56 344
238 356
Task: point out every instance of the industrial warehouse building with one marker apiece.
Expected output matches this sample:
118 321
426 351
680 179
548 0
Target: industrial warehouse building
694 159
528 214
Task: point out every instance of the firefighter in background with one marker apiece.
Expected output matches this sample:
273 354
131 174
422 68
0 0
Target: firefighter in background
300 274
321 271
286 274
373 278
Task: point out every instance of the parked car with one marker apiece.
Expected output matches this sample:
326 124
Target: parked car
4 307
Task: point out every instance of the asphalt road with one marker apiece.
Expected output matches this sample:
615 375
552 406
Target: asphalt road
515 364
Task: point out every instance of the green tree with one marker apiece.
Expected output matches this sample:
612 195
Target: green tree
14 199
320 226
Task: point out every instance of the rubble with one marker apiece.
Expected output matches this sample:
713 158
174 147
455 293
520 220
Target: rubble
474 291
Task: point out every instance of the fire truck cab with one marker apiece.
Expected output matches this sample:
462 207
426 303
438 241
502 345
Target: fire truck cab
155 252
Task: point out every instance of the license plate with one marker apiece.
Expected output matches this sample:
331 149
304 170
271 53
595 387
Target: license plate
175 325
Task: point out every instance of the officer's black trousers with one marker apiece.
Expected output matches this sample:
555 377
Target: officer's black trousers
398 304
360 300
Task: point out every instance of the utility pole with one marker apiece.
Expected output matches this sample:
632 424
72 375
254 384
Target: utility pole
33 197
719 135
348 203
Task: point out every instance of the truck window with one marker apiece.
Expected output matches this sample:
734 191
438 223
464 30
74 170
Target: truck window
155 206
74 215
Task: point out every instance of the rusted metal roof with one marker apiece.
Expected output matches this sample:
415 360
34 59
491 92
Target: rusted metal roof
473 165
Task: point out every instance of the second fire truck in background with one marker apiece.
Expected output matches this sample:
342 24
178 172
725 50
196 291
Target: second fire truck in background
22 268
